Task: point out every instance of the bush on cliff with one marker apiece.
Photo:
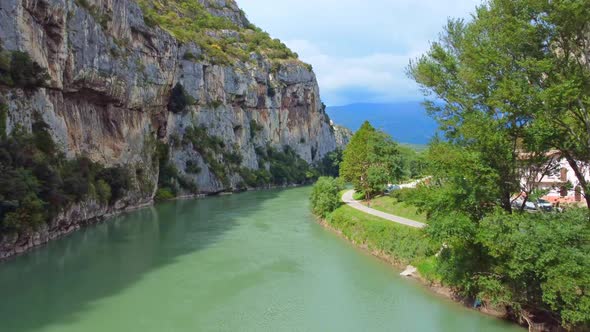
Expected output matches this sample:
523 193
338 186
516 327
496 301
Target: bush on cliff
325 196
37 181
190 21
17 69
179 99
169 178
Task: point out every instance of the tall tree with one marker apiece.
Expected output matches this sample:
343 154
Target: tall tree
371 160
491 75
508 87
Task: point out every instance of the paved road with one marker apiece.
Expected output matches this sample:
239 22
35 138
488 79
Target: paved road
350 201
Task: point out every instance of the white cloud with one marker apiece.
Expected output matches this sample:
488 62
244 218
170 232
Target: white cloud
380 76
359 49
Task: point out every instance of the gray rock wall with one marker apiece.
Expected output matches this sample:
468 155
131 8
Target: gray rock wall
111 78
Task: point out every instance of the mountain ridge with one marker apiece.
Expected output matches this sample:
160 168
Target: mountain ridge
407 122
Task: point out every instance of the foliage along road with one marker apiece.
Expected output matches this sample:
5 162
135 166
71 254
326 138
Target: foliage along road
350 201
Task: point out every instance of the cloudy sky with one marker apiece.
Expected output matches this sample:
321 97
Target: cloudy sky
359 49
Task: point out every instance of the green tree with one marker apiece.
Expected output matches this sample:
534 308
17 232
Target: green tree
330 164
509 86
325 196
30 214
370 161
520 68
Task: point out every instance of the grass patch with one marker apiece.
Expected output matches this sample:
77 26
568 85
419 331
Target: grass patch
427 268
391 205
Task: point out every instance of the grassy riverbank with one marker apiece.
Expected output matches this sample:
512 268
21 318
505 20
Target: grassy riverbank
397 244
393 206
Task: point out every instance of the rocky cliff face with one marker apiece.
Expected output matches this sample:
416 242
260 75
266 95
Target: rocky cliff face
111 79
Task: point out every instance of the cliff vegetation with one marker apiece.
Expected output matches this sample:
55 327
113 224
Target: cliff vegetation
223 40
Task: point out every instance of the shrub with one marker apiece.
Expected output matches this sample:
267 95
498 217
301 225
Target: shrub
103 191
188 184
215 104
404 195
192 167
188 56
29 214
358 195
210 147
118 178
255 128
179 99
164 194
325 196
3 120
26 73
539 260
233 158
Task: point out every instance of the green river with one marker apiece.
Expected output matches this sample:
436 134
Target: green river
249 262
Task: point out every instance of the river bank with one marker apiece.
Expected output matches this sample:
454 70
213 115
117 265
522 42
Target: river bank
380 238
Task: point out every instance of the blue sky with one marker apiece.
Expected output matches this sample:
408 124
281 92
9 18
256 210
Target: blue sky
359 49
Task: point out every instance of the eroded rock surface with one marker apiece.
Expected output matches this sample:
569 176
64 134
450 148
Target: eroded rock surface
111 77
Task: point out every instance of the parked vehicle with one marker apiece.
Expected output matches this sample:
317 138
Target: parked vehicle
528 206
544 205
392 188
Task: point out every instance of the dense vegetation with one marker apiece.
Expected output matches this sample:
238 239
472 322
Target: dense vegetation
514 82
285 167
37 181
189 21
330 164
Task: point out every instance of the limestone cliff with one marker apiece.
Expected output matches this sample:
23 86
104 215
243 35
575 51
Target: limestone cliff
112 76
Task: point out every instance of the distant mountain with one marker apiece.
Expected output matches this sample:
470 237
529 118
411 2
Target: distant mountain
406 122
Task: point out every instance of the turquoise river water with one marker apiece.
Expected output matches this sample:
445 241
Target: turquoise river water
249 262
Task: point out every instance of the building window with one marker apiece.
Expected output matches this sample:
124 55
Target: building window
563 191
564 174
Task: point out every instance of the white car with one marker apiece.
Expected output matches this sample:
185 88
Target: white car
544 205
529 206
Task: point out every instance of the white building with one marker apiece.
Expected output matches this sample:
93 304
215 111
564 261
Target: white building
562 183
